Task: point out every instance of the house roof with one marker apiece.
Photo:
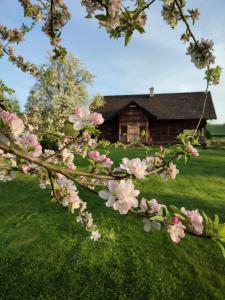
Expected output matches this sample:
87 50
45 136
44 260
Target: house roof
172 106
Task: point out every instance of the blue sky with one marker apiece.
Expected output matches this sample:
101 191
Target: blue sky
156 58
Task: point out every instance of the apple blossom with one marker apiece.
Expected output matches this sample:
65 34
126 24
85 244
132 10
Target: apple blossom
150 207
170 14
25 168
201 54
170 172
195 218
176 231
80 118
68 159
134 167
71 198
96 118
92 143
95 155
95 235
7 175
120 195
106 161
193 151
148 225
153 161
30 144
103 159
11 124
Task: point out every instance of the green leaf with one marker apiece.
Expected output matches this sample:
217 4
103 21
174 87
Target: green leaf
186 159
207 219
139 28
175 209
136 14
69 130
216 221
221 247
221 230
105 2
157 219
128 37
180 217
101 17
165 211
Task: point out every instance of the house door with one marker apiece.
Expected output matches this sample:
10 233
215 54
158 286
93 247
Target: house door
132 132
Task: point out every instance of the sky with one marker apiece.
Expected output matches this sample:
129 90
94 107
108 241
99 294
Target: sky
156 58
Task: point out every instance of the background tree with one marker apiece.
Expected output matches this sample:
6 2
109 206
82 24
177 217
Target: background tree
61 88
8 98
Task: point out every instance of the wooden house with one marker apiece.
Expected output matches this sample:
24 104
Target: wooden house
154 118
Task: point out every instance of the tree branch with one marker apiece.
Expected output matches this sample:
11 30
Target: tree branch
53 186
186 23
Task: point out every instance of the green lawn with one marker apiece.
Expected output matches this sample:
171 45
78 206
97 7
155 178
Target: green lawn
46 255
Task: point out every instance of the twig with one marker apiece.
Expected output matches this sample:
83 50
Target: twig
105 6
186 23
148 5
53 186
203 109
54 168
142 215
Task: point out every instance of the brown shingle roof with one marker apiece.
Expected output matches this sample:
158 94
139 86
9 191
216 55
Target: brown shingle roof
163 106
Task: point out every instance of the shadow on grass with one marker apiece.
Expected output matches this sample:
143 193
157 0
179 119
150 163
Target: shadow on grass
45 254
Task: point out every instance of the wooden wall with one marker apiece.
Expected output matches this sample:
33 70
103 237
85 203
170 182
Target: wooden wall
166 131
158 131
110 130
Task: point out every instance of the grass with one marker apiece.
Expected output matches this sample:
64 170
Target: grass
46 255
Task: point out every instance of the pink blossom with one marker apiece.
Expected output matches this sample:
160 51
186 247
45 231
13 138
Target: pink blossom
72 199
148 225
106 161
195 219
96 118
152 161
192 150
120 195
95 235
150 207
175 220
155 206
78 112
143 205
170 173
92 143
95 155
12 123
176 232
80 118
25 168
37 150
68 159
134 166
30 144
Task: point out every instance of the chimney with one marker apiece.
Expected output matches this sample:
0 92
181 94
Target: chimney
151 92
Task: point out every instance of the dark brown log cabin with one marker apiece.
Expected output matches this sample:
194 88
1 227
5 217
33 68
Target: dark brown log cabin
154 118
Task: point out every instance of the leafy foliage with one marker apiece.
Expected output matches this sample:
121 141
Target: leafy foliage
60 89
